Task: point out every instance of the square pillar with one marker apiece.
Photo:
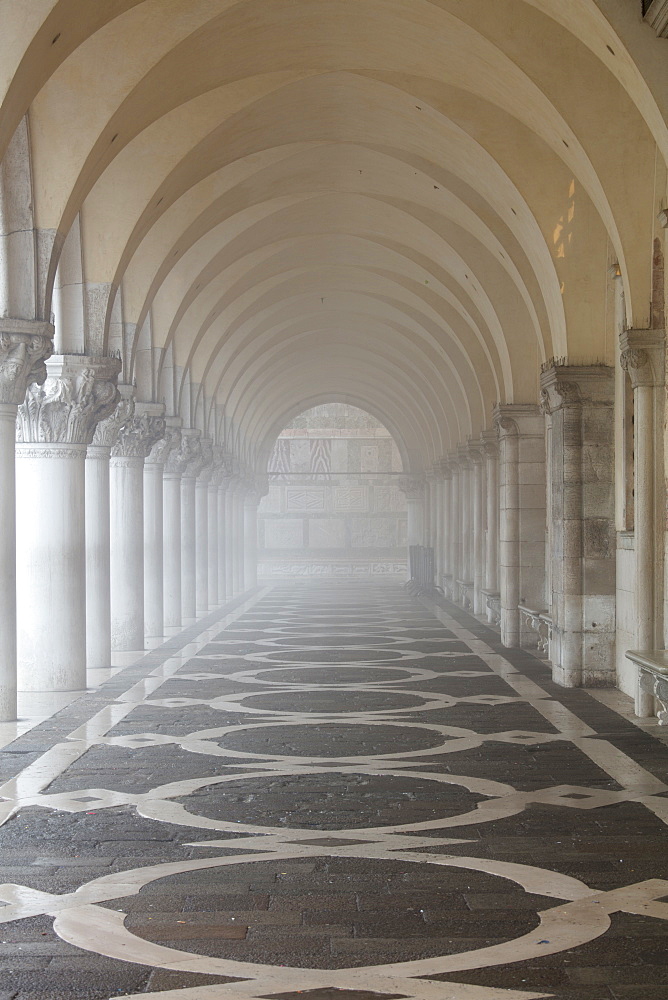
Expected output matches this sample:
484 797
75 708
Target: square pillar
580 401
522 513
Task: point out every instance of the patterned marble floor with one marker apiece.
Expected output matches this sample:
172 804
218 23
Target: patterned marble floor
334 792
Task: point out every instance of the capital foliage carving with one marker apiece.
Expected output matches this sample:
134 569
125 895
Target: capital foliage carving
22 362
161 449
412 487
560 393
182 453
77 393
107 431
138 435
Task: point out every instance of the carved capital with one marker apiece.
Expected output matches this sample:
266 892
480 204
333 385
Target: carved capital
107 431
557 394
196 461
161 449
206 460
489 444
77 394
412 487
137 437
24 348
642 356
183 451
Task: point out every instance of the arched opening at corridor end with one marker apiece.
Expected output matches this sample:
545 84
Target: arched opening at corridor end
334 507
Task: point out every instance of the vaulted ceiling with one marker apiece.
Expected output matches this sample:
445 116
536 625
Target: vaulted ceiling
404 204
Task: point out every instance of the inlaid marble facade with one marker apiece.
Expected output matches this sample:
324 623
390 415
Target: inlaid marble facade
334 508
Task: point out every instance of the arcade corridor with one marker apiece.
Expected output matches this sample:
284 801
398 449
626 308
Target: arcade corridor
335 791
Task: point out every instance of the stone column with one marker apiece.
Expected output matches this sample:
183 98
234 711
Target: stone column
251 501
581 481
466 517
181 453
24 346
98 541
490 447
213 490
239 497
54 427
455 529
642 358
521 430
202 529
126 482
229 538
445 519
188 527
478 523
413 488
154 608
438 524
223 485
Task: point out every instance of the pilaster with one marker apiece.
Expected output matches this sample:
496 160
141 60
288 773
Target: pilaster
522 512
580 401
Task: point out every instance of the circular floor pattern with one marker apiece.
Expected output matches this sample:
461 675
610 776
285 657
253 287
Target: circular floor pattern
331 675
409 912
319 655
334 740
328 801
323 702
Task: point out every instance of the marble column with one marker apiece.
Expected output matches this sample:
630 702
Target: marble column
239 498
455 529
446 523
251 501
54 427
642 358
202 529
98 540
224 594
126 508
466 521
581 483
413 488
188 528
181 453
478 527
490 448
24 347
229 538
438 524
213 490
522 496
154 467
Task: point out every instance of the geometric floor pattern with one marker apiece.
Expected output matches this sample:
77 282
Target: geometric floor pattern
334 791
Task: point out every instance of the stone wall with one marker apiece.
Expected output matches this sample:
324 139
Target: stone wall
334 508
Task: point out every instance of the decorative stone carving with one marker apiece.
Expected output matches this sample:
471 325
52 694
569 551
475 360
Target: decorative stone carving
161 449
206 460
412 487
77 394
183 451
107 431
137 437
642 353
489 444
24 348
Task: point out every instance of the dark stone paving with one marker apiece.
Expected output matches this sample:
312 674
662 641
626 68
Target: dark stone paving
347 899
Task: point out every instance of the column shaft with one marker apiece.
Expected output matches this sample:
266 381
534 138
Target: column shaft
7 563
126 479
172 548
202 548
51 573
212 556
98 555
230 528
154 610
188 548
250 544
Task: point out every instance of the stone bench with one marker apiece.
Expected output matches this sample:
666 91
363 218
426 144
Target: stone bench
539 622
652 682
